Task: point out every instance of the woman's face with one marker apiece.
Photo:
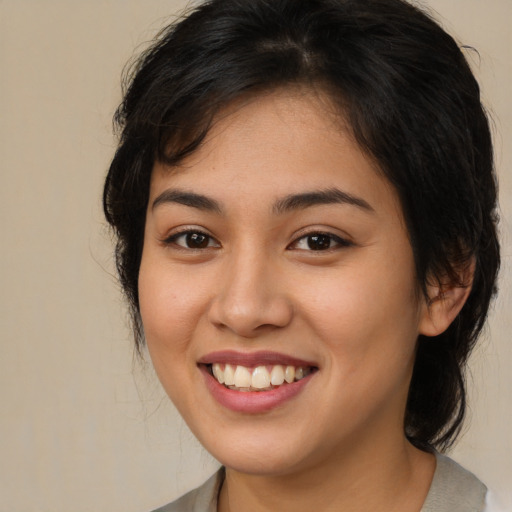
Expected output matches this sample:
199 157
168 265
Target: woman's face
278 248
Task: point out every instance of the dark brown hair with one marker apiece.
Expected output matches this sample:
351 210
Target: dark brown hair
413 104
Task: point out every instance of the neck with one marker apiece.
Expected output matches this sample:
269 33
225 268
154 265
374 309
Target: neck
394 477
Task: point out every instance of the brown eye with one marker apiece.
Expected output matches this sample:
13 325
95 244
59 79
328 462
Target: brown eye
192 240
197 240
319 242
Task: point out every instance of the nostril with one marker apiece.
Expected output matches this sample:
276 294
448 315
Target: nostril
251 316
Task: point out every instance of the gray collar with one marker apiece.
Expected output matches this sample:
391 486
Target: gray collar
454 489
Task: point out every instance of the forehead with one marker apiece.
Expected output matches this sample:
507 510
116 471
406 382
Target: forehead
278 143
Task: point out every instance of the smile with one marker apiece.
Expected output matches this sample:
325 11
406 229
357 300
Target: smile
259 378
255 383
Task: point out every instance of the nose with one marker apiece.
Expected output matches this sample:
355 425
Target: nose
251 299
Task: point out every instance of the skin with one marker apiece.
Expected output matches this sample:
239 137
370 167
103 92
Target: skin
353 309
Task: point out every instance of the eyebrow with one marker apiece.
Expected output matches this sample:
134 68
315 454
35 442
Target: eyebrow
320 197
185 198
281 206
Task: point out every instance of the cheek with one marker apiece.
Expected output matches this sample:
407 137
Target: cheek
168 306
366 315
169 315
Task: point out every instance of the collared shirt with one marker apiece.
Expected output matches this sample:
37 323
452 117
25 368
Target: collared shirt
453 489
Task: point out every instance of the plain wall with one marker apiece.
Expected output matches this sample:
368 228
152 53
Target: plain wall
82 427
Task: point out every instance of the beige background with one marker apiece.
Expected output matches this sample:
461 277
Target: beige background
81 427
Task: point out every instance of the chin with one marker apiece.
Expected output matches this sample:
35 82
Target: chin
256 453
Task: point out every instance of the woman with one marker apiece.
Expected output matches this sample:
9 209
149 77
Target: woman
305 206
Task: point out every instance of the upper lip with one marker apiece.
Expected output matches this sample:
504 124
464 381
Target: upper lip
251 359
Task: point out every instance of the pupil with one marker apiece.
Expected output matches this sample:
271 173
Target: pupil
319 242
197 240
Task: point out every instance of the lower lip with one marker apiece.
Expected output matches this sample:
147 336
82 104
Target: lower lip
253 402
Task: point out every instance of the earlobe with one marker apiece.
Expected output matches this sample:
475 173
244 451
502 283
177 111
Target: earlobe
444 304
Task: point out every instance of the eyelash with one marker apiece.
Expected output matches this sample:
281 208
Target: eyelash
329 237
322 238
172 240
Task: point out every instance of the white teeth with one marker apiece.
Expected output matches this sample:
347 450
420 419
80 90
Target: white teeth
289 374
277 375
260 378
229 375
243 377
218 373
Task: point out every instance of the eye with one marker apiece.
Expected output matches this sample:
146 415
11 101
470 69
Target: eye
319 242
192 240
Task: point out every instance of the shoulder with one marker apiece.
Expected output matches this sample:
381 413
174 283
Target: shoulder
202 499
454 489
493 504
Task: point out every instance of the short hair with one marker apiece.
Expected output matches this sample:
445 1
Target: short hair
413 105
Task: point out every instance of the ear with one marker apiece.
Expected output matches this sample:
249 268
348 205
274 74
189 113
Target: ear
445 302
